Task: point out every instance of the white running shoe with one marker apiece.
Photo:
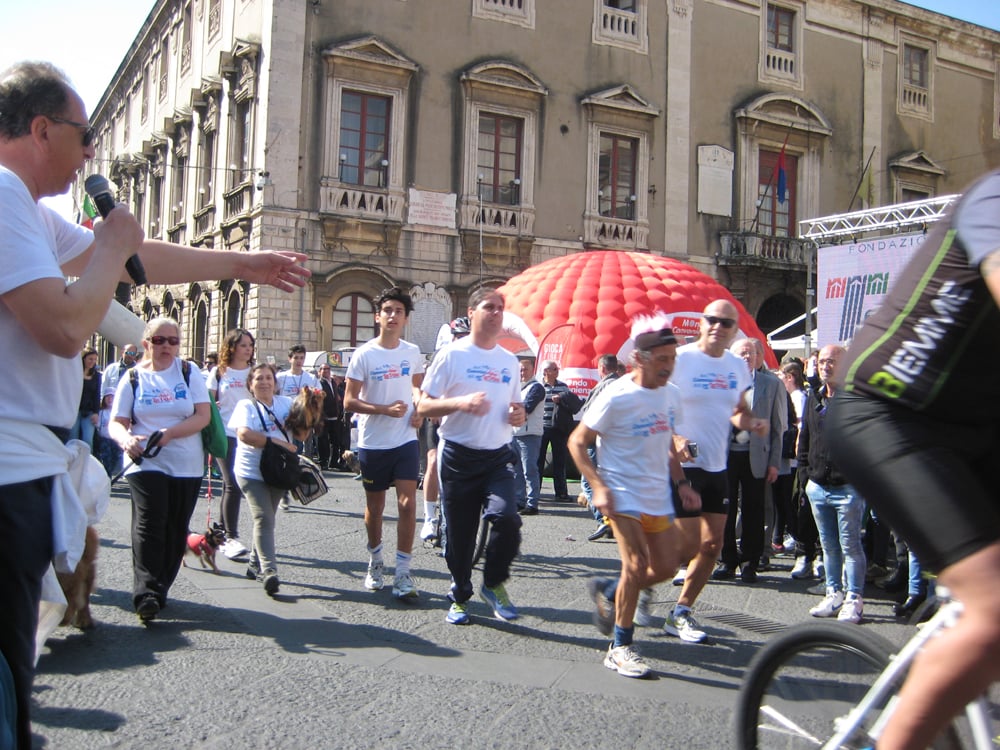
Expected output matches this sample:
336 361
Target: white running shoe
404 588
233 548
830 605
429 530
803 568
680 576
626 661
643 617
374 580
852 609
685 627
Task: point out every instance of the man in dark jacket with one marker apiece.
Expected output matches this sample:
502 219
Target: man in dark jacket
560 406
838 508
333 412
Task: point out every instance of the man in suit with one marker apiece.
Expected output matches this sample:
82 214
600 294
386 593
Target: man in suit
754 462
333 411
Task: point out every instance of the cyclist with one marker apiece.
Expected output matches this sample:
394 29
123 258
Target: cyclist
915 430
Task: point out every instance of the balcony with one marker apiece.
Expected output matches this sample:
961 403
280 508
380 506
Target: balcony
766 251
359 201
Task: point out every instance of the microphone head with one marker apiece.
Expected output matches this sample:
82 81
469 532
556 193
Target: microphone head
96 184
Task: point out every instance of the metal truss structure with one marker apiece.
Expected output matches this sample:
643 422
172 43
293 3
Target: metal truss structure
825 229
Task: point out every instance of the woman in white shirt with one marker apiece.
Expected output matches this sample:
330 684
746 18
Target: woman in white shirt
255 420
227 384
164 486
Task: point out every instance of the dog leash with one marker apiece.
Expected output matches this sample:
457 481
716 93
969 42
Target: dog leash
152 450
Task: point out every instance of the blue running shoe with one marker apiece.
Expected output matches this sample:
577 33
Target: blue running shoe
458 614
497 598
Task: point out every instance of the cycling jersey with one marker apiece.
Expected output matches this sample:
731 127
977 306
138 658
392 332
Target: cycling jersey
932 344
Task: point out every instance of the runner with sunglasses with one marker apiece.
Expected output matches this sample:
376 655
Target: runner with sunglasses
712 381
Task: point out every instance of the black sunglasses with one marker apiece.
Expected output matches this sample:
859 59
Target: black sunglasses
160 340
88 131
724 322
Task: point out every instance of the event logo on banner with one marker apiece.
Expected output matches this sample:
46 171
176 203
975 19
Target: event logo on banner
853 279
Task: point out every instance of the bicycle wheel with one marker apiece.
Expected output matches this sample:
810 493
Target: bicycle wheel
800 687
482 536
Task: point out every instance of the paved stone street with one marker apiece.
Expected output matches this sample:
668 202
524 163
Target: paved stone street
327 664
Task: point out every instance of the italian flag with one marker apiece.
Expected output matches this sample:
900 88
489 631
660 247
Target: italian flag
88 213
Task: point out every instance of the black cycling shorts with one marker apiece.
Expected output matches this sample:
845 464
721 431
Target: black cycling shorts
933 482
713 486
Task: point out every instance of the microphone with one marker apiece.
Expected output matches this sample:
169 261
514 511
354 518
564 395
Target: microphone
99 190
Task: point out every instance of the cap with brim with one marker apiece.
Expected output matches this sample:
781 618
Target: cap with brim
652 339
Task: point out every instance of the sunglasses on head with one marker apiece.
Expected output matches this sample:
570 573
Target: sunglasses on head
88 131
724 322
161 340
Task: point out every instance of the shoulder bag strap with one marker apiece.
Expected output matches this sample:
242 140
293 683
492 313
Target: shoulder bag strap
257 404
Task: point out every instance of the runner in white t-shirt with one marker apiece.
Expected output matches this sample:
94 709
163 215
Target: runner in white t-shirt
712 381
474 385
164 486
632 421
383 384
291 381
227 383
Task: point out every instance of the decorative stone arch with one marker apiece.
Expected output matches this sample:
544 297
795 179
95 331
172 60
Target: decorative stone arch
777 310
199 321
233 295
773 121
344 281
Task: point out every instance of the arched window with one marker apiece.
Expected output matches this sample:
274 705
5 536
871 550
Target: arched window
199 331
234 308
353 321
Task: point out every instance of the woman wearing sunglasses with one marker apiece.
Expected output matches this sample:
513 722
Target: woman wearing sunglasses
164 479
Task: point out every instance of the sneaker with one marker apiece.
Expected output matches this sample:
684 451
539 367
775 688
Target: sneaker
643 617
819 569
233 548
803 568
724 573
680 576
604 608
374 580
626 661
284 504
148 608
403 587
497 598
851 611
685 627
458 614
429 530
253 571
830 605
789 543
271 582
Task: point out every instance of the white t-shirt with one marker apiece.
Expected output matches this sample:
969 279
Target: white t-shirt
162 400
229 389
37 386
636 427
386 375
711 387
247 461
290 385
463 368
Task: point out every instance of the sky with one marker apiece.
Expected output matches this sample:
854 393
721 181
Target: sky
89 45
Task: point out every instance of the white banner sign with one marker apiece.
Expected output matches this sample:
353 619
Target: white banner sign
852 281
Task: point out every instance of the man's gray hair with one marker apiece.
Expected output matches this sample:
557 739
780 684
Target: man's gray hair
27 90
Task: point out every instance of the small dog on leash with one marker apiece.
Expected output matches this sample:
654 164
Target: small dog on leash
204 546
79 585
306 413
350 460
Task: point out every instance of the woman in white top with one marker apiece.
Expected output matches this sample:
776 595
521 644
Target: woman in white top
165 484
227 384
256 420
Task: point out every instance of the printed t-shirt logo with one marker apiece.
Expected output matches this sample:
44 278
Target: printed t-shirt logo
651 424
716 381
487 374
391 371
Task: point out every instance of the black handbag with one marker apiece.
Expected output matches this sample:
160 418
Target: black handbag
279 467
788 440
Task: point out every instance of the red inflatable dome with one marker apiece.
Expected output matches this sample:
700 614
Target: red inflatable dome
581 306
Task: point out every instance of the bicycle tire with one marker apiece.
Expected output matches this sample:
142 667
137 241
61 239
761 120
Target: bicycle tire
802 682
482 537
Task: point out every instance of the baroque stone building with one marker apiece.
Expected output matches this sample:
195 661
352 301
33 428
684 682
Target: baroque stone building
442 144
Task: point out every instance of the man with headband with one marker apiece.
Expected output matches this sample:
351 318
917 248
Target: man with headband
632 423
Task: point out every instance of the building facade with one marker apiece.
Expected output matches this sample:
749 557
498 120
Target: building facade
439 145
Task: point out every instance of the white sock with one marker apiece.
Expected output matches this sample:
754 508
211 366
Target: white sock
403 563
374 555
430 510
